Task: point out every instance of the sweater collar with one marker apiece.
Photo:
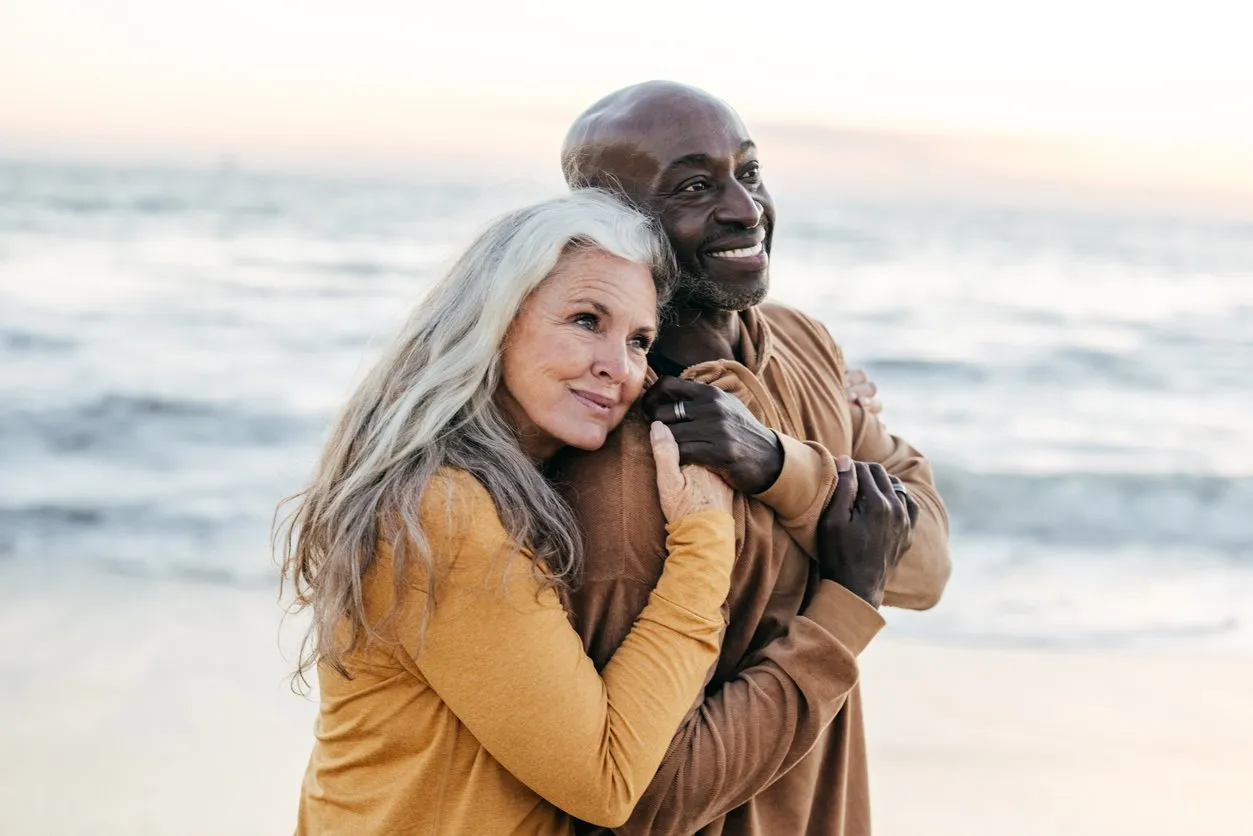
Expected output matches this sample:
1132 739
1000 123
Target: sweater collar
756 347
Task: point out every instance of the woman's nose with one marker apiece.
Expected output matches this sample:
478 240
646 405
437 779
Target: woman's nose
612 364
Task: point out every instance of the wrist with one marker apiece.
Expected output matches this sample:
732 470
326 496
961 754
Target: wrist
864 588
872 596
770 469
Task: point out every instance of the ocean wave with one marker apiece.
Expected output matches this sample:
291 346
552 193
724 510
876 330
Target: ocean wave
918 368
194 574
861 233
54 520
1204 354
140 538
1075 363
1152 511
29 342
133 422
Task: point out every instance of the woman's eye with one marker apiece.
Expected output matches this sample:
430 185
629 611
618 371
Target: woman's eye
642 342
587 320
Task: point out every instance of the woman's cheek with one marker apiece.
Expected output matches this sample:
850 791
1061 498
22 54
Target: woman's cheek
634 385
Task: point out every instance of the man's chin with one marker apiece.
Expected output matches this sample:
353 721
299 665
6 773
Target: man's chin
713 292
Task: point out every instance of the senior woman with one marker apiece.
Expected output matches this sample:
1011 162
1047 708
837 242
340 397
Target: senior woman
455 695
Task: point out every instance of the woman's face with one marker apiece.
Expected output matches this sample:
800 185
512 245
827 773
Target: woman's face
575 356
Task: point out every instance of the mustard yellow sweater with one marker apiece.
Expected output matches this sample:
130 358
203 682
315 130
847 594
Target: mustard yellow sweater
498 722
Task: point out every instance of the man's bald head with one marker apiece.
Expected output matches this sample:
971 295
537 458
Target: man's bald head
608 143
684 156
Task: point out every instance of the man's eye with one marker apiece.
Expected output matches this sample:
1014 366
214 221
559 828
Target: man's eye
752 174
698 186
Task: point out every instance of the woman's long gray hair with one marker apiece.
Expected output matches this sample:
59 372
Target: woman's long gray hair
428 404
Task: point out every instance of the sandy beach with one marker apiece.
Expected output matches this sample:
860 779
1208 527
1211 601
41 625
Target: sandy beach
1083 743
159 707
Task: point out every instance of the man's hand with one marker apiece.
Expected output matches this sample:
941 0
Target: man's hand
716 430
862 390
864 530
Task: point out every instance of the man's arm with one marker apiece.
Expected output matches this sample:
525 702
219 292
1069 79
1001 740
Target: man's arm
919 579
805 484
757 726
719 431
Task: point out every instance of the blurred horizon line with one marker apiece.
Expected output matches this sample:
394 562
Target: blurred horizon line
801 159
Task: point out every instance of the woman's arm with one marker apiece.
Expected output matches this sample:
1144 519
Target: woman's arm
501 653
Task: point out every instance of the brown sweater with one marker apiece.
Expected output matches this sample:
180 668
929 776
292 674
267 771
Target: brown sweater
777 746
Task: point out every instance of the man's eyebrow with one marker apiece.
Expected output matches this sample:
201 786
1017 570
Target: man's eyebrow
697 160
692 160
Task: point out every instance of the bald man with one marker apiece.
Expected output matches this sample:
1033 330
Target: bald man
756 391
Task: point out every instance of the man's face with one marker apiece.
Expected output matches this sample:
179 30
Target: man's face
698 171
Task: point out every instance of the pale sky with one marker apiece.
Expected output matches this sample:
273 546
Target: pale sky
1156 94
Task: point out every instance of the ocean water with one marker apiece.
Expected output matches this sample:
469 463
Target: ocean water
173 345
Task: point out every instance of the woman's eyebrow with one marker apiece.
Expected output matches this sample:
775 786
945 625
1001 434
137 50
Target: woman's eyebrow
599 307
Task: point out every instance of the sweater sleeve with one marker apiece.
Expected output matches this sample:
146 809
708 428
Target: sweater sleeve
801 491
919 578
805 486
922 573
758 725
501 653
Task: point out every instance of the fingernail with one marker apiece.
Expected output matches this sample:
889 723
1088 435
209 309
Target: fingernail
656 431
843 464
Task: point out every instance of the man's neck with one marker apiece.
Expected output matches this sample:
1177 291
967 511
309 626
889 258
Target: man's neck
697 336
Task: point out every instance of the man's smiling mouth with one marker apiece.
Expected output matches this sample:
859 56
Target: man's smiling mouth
743 252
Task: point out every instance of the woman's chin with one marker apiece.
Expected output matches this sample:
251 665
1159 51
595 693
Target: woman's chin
586 438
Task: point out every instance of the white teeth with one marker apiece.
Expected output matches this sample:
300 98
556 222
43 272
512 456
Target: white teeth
746 252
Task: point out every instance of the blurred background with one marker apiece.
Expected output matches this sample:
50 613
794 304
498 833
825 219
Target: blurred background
1032 226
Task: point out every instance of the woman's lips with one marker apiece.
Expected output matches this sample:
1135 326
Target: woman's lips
597 403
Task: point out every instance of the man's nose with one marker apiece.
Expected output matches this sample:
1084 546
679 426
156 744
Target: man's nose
739 206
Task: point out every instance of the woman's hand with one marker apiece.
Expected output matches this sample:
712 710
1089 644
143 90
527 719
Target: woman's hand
688 489
861 390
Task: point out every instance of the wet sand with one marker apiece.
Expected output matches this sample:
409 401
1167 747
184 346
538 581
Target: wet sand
149 707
